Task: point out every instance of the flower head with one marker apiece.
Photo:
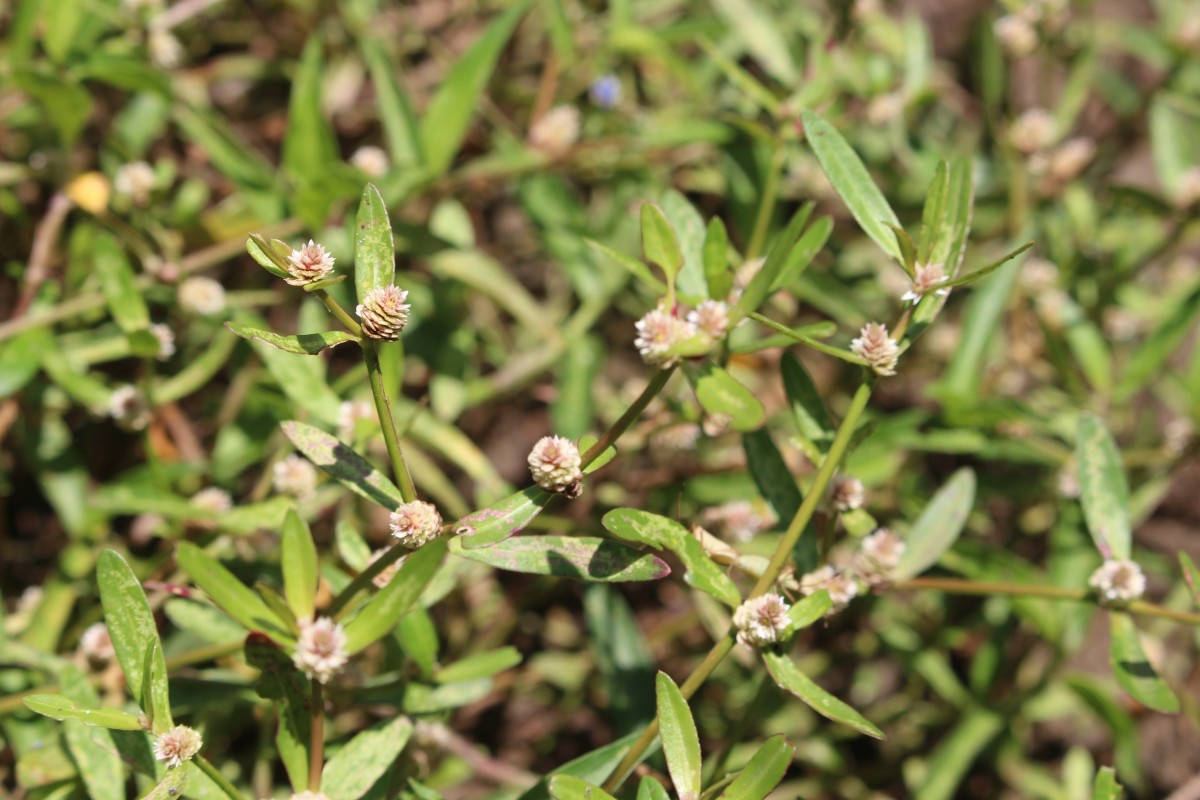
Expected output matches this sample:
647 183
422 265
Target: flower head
128 407
659 334
309 264
848 493
415 524
350 413
177 745
556 465
736 520
166 52
711 317
878 555
295 475
762 621
556 131
135 180
214 499
605 91
1118 581
384 313
371 160
841 587
1015 34
96 646
1070 157
321 649
203 296
927 278
876 348
1032 131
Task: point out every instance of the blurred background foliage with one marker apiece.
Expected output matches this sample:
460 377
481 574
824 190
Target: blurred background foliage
508 140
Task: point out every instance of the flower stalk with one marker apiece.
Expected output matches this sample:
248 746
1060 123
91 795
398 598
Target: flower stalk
388 423
316 750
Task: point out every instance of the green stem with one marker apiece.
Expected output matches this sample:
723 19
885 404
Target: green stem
766 206
215 775
340 313
387 422
361 581
316 750
631 414
807 341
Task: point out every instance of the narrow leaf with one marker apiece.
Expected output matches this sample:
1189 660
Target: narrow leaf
789 677
497 522
299 564
582 557
760 286
59 707
355 768
304 344
1103 491
395 111
1133 670
807 610
1190 576
374 249
480 665
989 269
1106 786
130 622
271 256
568 787
223 588
808 409
347 466
394 600
680 740
763 772
717 273
939 526
659 243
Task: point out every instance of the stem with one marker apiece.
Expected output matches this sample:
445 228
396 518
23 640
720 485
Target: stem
387 422
766 207
342 315
993 588
213 773
385 560
316 749
631 414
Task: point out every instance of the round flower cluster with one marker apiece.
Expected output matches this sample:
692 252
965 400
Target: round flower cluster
927 278
556 131
762 621
848 493
1118 581
557 466
384 313
203 296
321 649
177 745
309 264
841 586
295 475
415 524
663 337
880 351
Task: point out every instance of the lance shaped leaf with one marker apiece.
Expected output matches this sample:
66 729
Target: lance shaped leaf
230 594
374 249
303 344
340 461
1133 670
1103 491
789 677
939 526
762 772
487 526
383 611
583 557
364 759
680 740
56 706
130 626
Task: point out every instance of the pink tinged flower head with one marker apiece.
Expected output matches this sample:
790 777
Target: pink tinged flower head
711 317
762 621
874 346
135 180
556 131
213 499
1118 581
371 160
1016 34
927 279
177 745
415 524
848 493
321 649
166 340
736 520
384 313
556 465
203 296
659 334
1034 130
309 264
841 587
128 407
96 646
295 475
883 549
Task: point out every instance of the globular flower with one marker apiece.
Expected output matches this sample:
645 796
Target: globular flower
350 413
879 554
659 333
1070 157
556 131
1118 581
96 646
878 349
710 317
605 91
384 313
135 180
415 524
372 160
885 108
128 407
1032 131
165 50
166 340
309 264
677 438
214 499
927 279
295 475
762 621
203 296
848 493
385 577
736 520
177 745
556 465
841 587
321 649
1016 34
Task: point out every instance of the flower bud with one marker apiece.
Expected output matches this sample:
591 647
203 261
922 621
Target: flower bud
711 317
1016 35
848 493
321 649
213 499
556 465
762 621
177 745
96 646
127 406
166 52
309 264
1032 131
1118 581
1069 158
136 181
384 313
166 340
372 160
876 348
415 524
295 475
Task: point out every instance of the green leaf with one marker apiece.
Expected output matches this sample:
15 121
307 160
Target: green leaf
760 286
802 253
303 380
762 772
347 466
271 256
944 229
1106 786
374 249
680 740
650 789
421 699
1151 357
125 301
963 280
808 409
487 526
395 111
659 243
717 273
155 691
304 344
444 124
807 610
20 358
1133 670
365 759
1103 491
582 557
566 787
633 266
939 526
1172 141
775 483
130 624
56 706
171 787
586 443
718 392
953 758
91 747
623 657
227 592
762 36
299 563
689 228
852 182
67 105
383 611
288 690
480 665
309 147
791 679
230 154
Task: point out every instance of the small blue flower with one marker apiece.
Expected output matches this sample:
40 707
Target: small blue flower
605 91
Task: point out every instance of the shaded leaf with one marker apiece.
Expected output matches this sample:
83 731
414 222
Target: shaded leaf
939 526
364 759
680 740
1133 670
1103 491
789 677
341 462
584 558
760 286
226 591
383 611
305 344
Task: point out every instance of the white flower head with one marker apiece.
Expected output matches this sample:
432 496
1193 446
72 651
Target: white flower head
1016 34
848 493
1034 130
166 52
677 438
203 296
321 649
711 318
309 264
384 313
166 340
659 334
878 555
177 745
214 499
350 413
128 407
737 520
371 160
556 465
556 131
135 180
96 646
1118 581
295 475
762 621
415 524
927 279
309 794
841 587
879 350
